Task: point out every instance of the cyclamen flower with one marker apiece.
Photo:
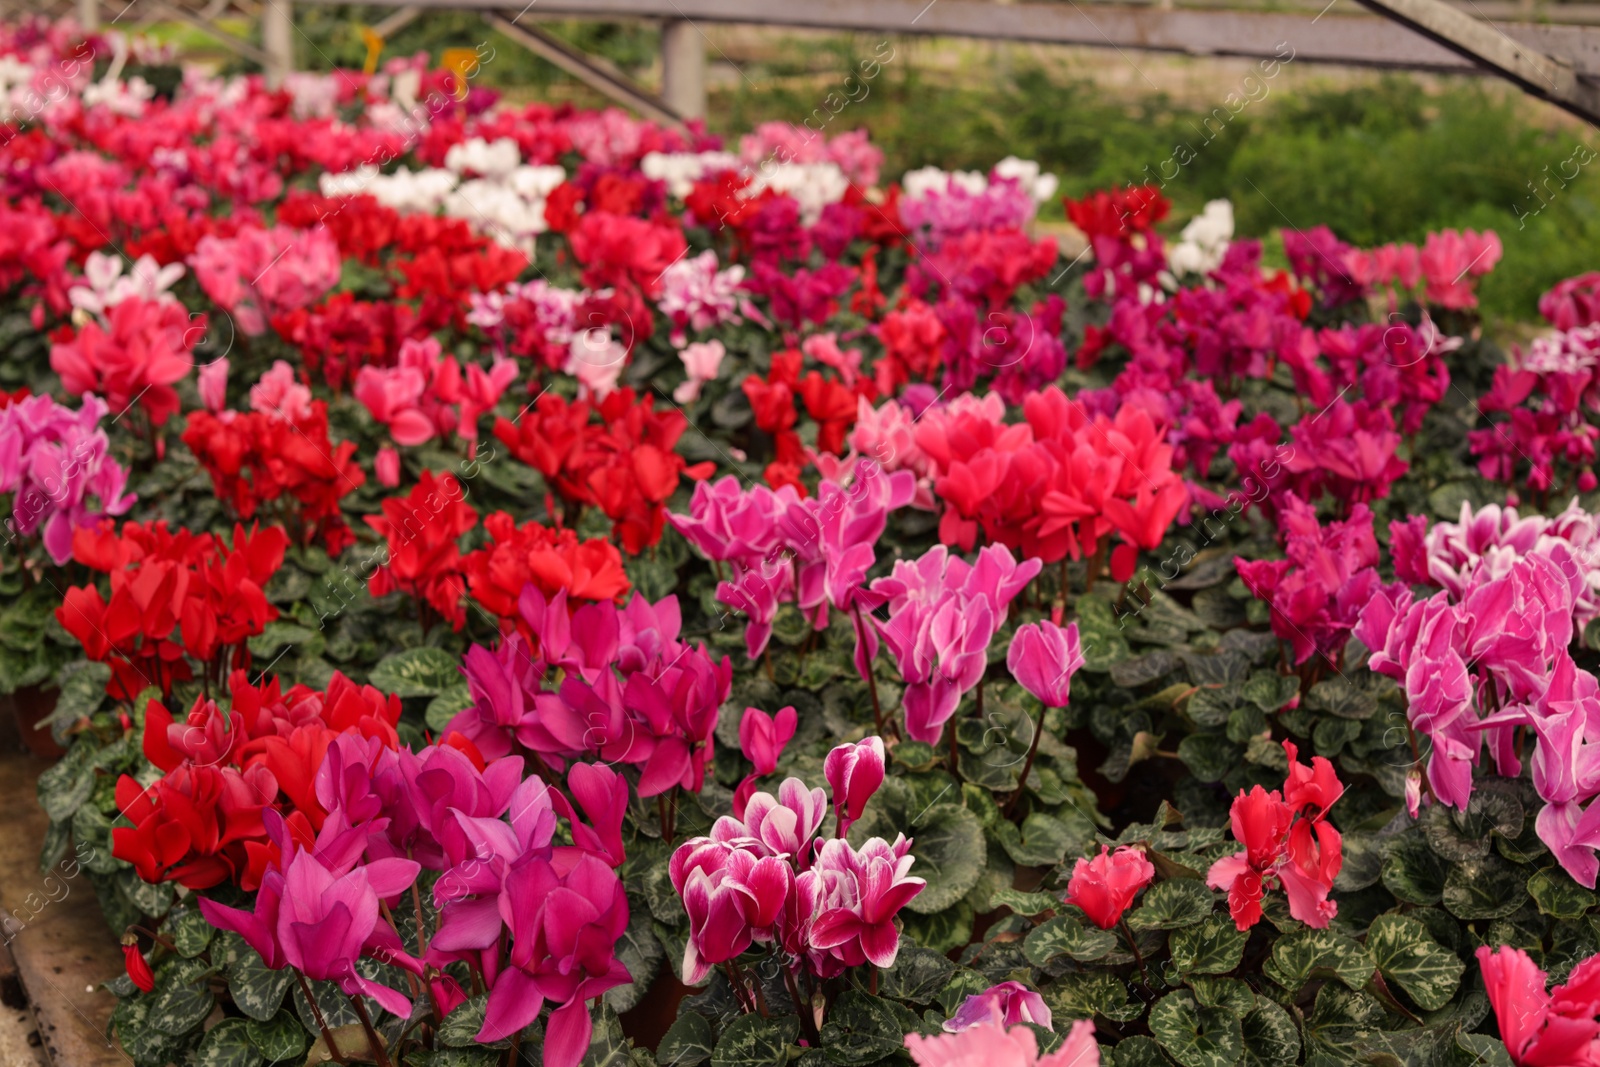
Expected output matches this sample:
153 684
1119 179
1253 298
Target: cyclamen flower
1043 657
1448 257
106 286
424 559
1289 842
992 1045
136 357
1104 887
943 612
1573 302
1009 1003
1540 1027
762 738
696 296
858 892
318 912
258 273
1317 594
280 394
564 923
55 461
854 773
700 363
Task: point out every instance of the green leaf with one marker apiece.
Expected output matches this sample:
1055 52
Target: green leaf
1270 1037
1196 1036
1484 888
941 931
1407 955
1270 691
860 1030
1209 757
1235 994
653 578
190 932
1214 946
918 975
279 1039
181 1000
1481 1049
688 1042
417 672
1558 896
1136 1051
227 1044
256 988
1066 936
150 899
1023 903
1414 872
642 954
1041 841
460 1028
1171 905
1212 707
949 853
751 1041
1306 954
1335 696
83 690
67 784
443 708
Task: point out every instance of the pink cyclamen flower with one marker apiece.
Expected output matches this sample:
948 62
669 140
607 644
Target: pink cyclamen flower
387 466
328 922
1010 1002
992 1045
280 394
1043 658
861 893
701 361
1542 1028
213 384
1104 887
854 772
1448 257
762 738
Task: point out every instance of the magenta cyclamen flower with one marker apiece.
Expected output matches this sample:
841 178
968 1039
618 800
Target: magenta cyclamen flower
1318 592
1043 657
762 738
1009 1002
1348 450
565 924
854 772
318 911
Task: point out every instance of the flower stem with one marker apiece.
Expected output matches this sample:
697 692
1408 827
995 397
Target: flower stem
379 1049
1137 958
316 1013
1027 765
872 683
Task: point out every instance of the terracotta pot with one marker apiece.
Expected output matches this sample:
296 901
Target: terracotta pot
648 1021
31 706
